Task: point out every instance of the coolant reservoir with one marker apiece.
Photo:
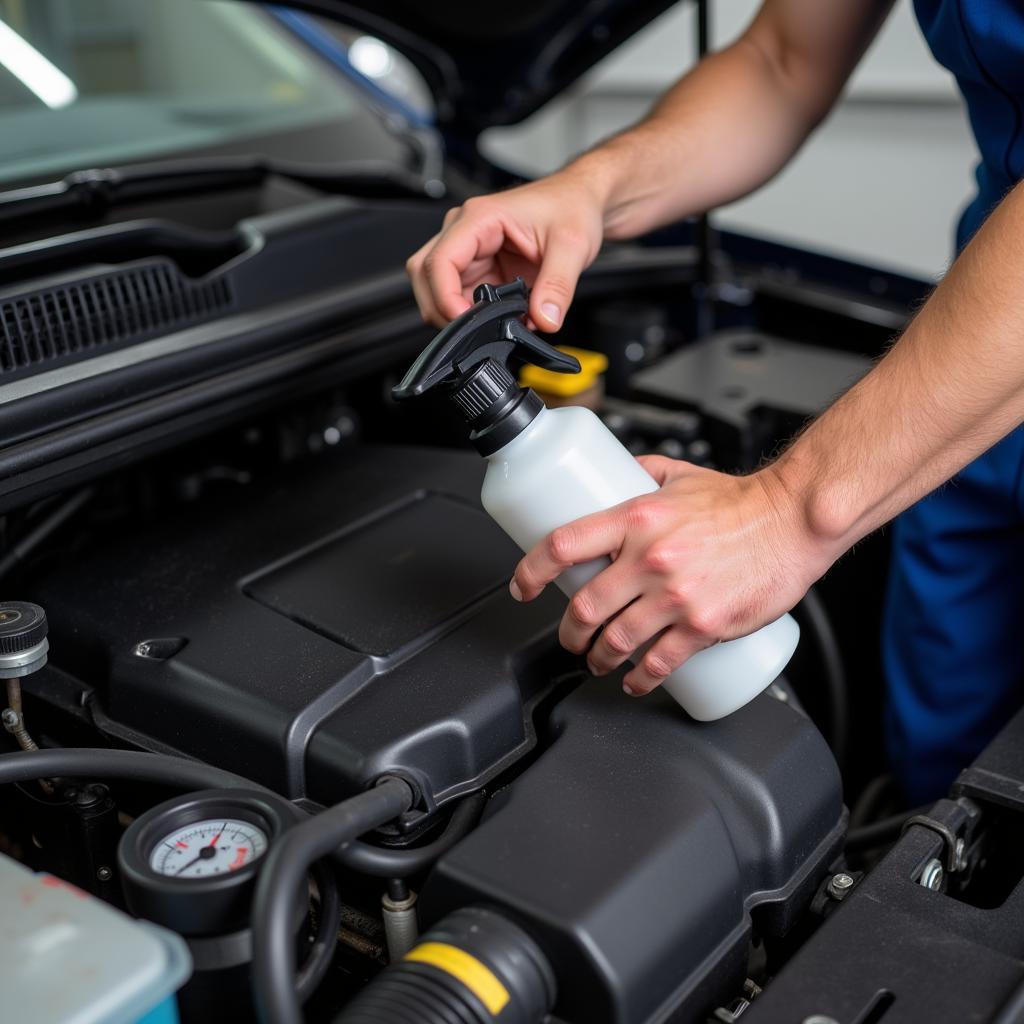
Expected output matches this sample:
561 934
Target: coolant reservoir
555 389
65 956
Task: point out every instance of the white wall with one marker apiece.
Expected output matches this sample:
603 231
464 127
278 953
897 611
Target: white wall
882 181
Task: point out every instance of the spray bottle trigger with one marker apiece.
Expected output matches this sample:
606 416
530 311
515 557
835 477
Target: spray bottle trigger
491 328
535 350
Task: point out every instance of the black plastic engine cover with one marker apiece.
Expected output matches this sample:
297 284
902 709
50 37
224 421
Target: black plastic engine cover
346 620
639 844
351 618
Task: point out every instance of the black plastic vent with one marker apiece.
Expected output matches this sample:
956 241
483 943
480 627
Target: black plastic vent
104 311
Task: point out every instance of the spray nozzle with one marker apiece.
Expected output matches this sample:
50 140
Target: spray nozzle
491 329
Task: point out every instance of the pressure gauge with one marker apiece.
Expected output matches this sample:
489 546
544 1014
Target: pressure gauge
208 848
191 863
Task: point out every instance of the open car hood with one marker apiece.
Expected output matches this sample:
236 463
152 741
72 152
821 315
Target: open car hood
494 64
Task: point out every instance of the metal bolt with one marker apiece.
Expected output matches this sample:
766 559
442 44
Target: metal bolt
699 450
840 885
11 719
142 650
104 874
932 875
820 1018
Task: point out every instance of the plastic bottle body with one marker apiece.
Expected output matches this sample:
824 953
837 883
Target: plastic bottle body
567 464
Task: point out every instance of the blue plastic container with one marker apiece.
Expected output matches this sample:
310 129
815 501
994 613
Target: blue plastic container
67 958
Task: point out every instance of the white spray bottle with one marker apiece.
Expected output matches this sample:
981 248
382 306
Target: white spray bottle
547 467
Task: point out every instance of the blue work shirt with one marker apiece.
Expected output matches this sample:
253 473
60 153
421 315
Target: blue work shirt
982 43
955 600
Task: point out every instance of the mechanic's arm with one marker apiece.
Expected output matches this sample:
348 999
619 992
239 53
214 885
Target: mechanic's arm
723 130
711 557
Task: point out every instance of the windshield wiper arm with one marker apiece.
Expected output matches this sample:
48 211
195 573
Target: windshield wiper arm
91 193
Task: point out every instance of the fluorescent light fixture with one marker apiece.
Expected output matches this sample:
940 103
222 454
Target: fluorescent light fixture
37 73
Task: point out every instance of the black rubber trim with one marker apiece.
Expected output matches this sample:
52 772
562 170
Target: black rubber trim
79 436
164 364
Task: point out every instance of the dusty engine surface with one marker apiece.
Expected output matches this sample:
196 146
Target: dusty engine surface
352 621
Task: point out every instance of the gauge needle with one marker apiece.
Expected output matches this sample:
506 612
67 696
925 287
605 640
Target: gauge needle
194 860
208 851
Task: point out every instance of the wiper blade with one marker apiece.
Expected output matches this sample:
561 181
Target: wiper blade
91 193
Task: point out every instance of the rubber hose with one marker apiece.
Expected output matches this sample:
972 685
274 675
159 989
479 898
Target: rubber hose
878 832
390 863
863 810
182 773
835 676
287 861
474 967
321 952
129 765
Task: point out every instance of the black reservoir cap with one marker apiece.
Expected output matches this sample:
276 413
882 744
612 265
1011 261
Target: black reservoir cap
22 626
470 358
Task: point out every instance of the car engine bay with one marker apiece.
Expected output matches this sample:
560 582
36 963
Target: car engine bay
269 590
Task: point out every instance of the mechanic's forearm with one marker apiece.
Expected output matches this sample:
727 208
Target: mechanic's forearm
734 121
722 131
950 388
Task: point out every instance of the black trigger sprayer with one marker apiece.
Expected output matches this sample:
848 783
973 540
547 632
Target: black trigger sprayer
470 358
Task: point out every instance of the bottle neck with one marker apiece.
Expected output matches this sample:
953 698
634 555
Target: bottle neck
500 426
523 441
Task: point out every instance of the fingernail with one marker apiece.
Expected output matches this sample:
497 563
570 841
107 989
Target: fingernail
513 589
628 690
552 313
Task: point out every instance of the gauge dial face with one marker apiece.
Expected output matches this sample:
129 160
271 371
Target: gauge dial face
204 849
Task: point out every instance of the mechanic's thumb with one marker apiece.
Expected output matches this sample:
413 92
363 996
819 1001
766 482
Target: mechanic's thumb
564 260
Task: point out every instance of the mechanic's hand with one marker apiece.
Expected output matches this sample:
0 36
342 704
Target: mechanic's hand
546 232
708 557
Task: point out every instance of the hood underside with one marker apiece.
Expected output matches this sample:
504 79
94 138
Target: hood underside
494 64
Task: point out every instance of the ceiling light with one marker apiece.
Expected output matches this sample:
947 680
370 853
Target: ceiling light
371 57
35 71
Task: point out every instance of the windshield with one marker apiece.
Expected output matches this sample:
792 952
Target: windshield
87 83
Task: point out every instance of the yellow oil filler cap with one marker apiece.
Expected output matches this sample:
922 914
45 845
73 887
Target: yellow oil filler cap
583 388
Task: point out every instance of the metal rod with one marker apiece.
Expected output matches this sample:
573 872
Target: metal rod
42 531
14 722
704 233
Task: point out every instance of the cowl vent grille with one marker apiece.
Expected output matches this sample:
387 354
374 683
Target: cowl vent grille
107 310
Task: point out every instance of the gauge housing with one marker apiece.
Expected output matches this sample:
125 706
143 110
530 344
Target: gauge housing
215 904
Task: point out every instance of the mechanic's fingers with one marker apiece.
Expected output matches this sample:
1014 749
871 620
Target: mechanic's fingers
625 634
581 541
594 604
464 242
566 256
663 468
442 273
420 287
667 653
416 269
